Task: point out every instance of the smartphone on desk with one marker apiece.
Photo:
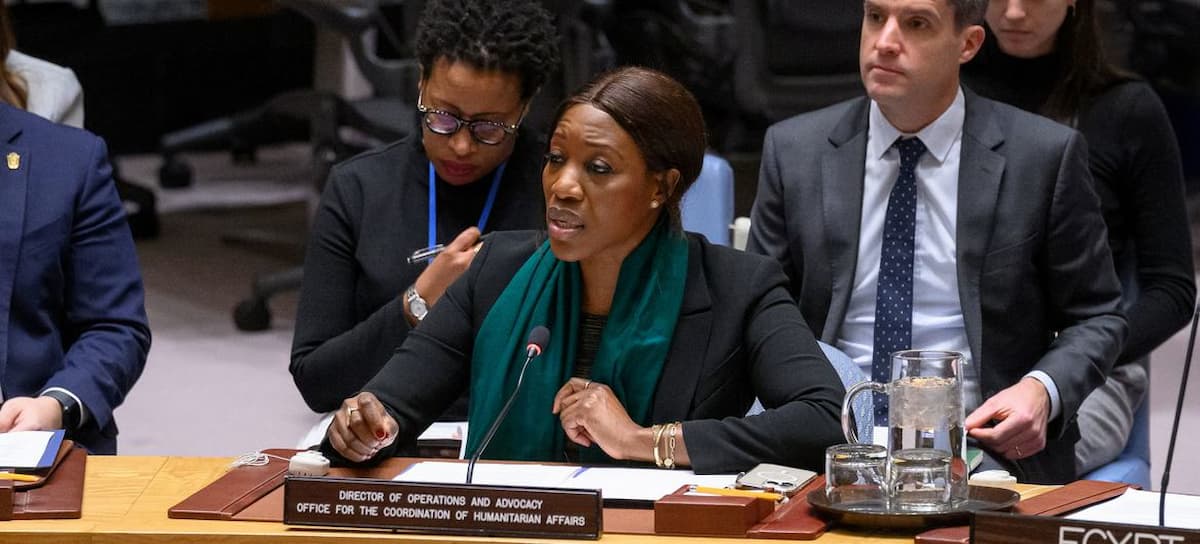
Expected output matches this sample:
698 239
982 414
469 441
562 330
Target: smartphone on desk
775 479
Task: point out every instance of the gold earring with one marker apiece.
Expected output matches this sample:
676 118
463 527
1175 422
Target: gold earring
654 204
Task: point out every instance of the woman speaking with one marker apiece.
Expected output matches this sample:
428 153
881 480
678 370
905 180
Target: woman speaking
659 341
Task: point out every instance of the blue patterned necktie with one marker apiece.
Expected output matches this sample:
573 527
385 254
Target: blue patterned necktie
893 294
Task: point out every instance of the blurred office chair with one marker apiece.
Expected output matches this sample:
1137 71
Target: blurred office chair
850 374
795 55
1133 465
707 206
308 113
378 119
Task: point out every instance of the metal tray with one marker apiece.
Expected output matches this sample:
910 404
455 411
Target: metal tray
877 515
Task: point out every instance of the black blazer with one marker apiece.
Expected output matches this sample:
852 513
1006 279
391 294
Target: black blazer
373 215
739 336
1035 276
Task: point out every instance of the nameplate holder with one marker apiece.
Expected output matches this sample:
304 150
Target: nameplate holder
447 509
707 515
997 528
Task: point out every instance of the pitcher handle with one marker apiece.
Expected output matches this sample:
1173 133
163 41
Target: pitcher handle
848 427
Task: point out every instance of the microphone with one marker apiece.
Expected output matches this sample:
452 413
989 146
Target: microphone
538 337
1166 475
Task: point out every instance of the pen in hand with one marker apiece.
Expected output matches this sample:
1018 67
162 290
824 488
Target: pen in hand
427 254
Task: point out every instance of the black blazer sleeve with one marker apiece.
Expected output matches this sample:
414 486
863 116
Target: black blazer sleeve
1152 199
432 368
782 365
334 350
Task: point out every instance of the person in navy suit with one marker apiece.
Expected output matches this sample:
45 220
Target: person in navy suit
73 329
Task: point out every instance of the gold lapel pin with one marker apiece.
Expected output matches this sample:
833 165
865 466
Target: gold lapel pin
14 160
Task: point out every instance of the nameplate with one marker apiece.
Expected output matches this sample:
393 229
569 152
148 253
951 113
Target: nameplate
996 528
452 509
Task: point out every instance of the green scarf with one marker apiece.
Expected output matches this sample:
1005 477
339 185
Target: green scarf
633 347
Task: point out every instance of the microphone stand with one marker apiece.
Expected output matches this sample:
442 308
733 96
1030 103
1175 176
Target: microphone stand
1166 476
530 354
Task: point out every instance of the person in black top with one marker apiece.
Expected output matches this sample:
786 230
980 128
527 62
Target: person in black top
1045 57
689 333
470 168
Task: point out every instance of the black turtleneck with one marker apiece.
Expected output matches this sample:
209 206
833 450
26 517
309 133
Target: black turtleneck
1135 164
1024 83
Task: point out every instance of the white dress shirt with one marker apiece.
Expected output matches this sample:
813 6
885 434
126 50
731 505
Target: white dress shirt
937 320
53 91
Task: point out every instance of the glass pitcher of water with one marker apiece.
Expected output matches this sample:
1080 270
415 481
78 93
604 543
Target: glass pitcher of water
925 408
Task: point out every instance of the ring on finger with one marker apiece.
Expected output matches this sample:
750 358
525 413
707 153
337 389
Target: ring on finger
588 384
350 410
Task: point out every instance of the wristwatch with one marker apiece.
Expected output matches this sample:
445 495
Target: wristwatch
417 307
70 409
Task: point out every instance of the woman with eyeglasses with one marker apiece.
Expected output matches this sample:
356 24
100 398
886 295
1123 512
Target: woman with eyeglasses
397 225
659 341
1045 56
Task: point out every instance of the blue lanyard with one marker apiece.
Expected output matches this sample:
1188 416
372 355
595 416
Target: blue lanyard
487 206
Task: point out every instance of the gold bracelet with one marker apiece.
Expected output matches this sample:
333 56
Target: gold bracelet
669 458
658 432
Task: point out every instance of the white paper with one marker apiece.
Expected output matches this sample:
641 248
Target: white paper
643 484
1141 508
445 430
448 430
23 449
530 475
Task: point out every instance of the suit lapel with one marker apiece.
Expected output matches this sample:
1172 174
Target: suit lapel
841 194
689 347
981 170
13 185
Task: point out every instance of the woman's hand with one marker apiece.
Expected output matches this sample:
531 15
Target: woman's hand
448 266
361 428
591 414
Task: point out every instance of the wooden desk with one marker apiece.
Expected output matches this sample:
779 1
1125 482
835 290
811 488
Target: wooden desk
126 501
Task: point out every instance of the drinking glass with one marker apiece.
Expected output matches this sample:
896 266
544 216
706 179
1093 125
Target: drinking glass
919 480
855 476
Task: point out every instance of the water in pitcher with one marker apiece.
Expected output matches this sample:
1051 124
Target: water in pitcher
927 412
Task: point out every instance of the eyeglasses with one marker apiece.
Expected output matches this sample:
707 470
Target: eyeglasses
446 124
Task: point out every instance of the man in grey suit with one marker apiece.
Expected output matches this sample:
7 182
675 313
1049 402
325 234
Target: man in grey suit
974 220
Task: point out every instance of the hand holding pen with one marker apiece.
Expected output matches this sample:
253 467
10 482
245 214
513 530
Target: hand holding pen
447 263
430 253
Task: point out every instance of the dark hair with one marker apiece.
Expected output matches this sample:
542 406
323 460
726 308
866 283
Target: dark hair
516 36
968 12
660 115
1086 70
12 88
